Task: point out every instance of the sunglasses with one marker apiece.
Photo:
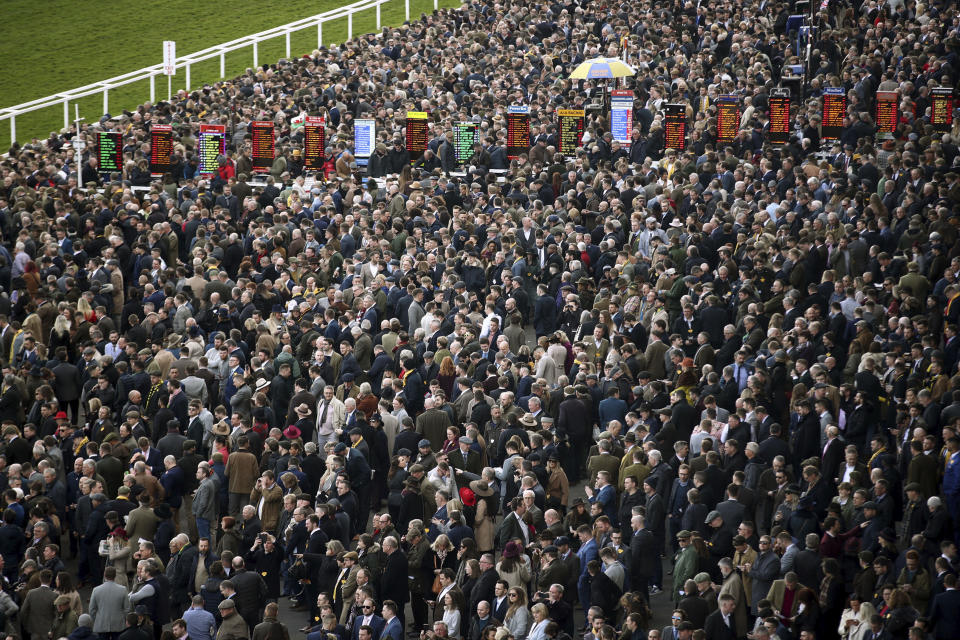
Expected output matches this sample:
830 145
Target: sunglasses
366 607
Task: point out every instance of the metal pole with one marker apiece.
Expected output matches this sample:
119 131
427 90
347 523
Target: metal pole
169 88
13 129
256 54
407 4
288 45
223 65
153 88
378 17
66 113
319 34
436 4
106 101
188 77
350 26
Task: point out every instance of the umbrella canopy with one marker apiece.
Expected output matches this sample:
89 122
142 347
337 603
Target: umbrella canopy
602 68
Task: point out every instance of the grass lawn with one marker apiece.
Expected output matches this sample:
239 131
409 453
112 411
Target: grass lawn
63 44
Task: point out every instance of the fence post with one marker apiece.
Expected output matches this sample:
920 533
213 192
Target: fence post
436 4
288 45
223 65
319 34
407 3
13 129
378 16
350 26
256 54
106 101
153 87
66 113
188 77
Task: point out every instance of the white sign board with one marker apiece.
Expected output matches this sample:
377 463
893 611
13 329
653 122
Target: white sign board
169 58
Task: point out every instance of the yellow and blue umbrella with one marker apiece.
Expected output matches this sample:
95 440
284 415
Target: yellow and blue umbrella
602 68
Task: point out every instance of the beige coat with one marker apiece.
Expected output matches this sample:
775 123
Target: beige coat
483 528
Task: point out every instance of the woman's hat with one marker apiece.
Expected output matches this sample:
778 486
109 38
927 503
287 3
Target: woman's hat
512 550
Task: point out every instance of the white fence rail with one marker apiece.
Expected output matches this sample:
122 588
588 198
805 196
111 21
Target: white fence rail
185 62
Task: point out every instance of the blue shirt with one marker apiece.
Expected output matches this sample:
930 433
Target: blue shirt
200 623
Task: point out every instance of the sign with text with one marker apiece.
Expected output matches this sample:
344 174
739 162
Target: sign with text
364 133
161 148
728 118
169 58
464 137
570 122
888 112
314 140
211 144
621 116
675 129
941 108
416 134
779 130
110 151
262 145
834 109
518 130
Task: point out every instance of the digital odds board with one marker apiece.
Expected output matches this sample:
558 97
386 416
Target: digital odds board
570 122
314 139
728 118
779 102
416 134
518 130
211 144
364 134
161 149
262 145
675 126
888 112
464 137
621 116
834 109
110 151
941 108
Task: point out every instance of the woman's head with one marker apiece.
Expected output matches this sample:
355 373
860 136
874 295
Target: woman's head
539 612
442 543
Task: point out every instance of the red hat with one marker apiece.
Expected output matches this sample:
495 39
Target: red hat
292 432
468 497
61 415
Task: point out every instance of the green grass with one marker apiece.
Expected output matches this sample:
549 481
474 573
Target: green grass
73 43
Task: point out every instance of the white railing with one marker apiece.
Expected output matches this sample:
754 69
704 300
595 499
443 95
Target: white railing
185 62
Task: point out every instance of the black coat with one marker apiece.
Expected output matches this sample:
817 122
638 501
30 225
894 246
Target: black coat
393 582
604 593
643 554
717 629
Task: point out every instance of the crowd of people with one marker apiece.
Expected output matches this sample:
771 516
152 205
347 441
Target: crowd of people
372 392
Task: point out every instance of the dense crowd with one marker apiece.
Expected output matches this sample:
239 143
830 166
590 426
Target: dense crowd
372 392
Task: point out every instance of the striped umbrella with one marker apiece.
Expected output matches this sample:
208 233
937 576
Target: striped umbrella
602 68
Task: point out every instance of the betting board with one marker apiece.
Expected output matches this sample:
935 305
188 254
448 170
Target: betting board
416 134
941 108
110 151
161 147
888 112
779 102
314 139
675 127
211 143
518 130
464 137
834 109
621 116
262 145
728 118
364 134
570 122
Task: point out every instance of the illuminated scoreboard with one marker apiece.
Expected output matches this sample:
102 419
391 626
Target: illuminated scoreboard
941 108
621 116
262 147
676 127
834 110
464 137
161 148
888 111
728 118
518 130
570 123
314 140
416 134
110 151
211 144
779 130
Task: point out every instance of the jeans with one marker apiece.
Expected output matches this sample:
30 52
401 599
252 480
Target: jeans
203 529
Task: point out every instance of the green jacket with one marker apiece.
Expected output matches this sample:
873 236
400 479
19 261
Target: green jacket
684 568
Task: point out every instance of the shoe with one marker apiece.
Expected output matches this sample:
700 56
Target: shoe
655 590
305 629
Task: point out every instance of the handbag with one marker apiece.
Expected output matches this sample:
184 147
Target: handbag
437 586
